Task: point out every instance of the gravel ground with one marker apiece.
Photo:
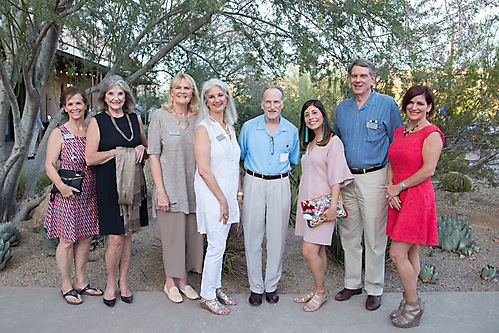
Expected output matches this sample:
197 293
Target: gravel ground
30 267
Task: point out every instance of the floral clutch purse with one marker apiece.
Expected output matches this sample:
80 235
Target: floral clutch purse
314 208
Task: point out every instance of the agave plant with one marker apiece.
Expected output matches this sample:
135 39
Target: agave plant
455 234
488 272
9 233
48 245
4 253
428 273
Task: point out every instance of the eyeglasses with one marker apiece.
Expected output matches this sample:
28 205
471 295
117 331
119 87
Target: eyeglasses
271 145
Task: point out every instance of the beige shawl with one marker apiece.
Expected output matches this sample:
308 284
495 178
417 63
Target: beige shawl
131 187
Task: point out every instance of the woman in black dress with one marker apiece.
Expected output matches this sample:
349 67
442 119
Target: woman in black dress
115 126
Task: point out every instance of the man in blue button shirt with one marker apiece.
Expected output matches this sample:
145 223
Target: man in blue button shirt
365 124
269 145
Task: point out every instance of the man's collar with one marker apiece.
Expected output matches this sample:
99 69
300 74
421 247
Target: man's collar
262 125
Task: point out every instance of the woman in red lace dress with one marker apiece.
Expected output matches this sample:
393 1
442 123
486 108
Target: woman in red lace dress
412 219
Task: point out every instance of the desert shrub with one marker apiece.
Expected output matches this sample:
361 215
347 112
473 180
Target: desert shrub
456 182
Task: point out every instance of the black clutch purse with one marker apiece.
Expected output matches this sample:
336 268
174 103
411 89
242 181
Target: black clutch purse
71 178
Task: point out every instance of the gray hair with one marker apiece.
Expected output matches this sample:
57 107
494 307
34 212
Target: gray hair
363 63
230 113
111 81
273 86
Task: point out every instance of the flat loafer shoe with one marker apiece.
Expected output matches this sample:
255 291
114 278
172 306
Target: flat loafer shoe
345 294
255 299
272 297
373 302
173 294
189 292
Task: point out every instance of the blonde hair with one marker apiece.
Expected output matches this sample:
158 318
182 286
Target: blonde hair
193 104
111 81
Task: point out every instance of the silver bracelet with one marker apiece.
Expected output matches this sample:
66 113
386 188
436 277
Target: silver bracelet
402 186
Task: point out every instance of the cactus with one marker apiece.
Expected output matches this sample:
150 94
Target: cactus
455 234
427 273
456 182
488 272
4 253
48 245
9 233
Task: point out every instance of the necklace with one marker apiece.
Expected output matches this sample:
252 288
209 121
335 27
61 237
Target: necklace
226 129
412 130
182 123
119 130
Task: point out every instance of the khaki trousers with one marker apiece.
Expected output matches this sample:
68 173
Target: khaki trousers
367 208
265 209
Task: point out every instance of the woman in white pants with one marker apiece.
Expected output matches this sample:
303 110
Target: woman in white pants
216 185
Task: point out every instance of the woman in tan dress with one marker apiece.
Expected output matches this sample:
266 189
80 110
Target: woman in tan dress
171 137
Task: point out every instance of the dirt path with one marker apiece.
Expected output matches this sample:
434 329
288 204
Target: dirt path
30 267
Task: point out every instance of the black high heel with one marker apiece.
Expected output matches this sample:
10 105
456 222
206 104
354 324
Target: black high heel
127 299
110 302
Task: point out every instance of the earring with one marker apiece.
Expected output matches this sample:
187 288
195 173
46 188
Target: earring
306 134
323 128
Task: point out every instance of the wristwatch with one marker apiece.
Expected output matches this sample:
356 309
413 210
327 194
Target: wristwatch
402 186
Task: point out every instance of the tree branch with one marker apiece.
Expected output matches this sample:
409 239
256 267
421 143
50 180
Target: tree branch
167 48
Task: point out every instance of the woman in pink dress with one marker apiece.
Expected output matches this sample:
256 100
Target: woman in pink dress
71 214
412 218
324 171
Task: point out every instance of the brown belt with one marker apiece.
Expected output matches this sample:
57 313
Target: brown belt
356 171
267 177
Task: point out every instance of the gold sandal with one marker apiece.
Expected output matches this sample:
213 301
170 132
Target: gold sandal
320 301
306 298
223 298
214 306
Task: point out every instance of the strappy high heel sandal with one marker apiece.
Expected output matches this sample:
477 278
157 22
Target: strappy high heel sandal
214 306
317 300
306 298
223 298
409 318
399 310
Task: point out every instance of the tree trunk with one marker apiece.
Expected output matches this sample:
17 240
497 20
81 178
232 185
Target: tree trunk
40 157
35 78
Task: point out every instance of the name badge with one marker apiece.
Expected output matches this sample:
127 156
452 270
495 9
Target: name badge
373 124
221 137
284 157
174 133
68 136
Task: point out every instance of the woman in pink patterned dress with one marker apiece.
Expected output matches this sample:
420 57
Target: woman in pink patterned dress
72 215
324 171
412 218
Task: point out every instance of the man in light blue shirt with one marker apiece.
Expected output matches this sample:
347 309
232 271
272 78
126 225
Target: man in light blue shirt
365 124
269 145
